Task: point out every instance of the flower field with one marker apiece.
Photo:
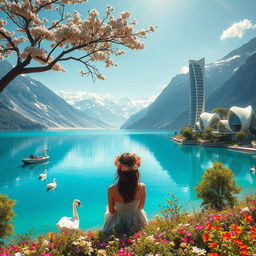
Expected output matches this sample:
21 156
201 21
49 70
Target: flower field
231 232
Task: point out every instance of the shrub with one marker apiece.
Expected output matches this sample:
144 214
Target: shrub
6 215
241 136
218 187
188 133
207 134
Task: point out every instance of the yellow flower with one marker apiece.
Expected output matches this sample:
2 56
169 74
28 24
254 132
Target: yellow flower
172 243
50 234
102 252
111 242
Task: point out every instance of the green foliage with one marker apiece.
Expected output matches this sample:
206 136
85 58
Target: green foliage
179 234
6 215
207 134
188 133
218 187
222 111
241 137
172 210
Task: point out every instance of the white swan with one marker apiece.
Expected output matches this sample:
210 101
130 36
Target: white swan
52 186
66 224
253 170
42 176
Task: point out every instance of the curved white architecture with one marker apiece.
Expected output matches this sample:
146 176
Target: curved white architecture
223 126
197 92
208 119
240 118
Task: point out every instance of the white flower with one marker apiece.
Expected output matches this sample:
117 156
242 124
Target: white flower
245 209
198 251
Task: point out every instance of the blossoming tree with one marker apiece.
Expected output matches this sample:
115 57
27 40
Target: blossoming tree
69 37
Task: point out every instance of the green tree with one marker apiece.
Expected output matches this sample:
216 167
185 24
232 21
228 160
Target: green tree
241 137
6 215
207 134
218 187
188 133
222 111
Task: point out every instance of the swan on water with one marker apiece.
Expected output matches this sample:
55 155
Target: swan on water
66 224
253 170
52 186
42 176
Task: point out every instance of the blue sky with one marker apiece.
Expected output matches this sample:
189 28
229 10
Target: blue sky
186 29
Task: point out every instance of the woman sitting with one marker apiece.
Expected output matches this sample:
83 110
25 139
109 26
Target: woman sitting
126 199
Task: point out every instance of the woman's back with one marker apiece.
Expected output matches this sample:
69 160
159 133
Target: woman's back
126 199
140 194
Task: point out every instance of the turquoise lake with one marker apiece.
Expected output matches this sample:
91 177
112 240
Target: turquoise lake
82 161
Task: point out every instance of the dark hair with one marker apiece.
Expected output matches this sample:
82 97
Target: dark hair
127 181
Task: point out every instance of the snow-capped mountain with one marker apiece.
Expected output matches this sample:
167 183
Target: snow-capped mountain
35 102
170 109
106 108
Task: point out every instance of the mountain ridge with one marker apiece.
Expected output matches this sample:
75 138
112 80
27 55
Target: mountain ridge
173 102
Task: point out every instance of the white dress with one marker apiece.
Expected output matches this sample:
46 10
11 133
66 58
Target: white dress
127 218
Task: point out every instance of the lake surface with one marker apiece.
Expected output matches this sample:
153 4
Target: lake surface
82 161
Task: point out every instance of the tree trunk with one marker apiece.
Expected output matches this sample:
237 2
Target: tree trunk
6 79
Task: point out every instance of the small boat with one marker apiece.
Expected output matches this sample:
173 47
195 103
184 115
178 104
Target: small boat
36 159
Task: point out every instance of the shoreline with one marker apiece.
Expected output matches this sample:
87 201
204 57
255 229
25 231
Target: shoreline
236 148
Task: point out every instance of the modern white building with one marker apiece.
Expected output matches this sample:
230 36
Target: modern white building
197 90
238 119
207 120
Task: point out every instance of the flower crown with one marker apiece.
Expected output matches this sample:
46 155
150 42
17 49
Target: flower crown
123 167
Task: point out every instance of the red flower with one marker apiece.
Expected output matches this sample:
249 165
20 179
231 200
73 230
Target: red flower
123 168
238 231
226 236
206 237
217 217
244 252
253 228
209 226
237 241
243 246
213 254
212 245
248 217
234 226
217 227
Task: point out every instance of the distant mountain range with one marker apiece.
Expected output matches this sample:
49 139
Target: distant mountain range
38 104
108 109
170 109
28 104
11 120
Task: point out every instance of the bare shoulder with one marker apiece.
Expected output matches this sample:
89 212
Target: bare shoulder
142 185
112 188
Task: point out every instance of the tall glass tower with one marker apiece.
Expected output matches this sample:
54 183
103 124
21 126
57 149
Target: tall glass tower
197 91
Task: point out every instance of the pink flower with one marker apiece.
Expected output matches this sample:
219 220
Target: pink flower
199 227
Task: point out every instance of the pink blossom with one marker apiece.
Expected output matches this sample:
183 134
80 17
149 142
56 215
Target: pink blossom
199 227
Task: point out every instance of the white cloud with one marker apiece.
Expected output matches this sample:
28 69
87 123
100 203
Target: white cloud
184 70
237 29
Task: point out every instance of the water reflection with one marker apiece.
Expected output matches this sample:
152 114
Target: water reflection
82 163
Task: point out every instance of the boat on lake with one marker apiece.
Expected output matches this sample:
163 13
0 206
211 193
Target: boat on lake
36 159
